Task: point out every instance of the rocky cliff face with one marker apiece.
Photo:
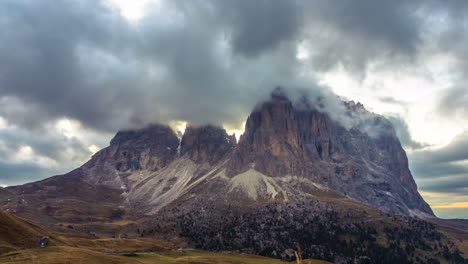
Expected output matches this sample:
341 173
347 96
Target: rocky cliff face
151 149
365 162
201 152
206 144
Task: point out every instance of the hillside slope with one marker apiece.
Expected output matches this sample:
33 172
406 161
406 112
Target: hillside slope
16 233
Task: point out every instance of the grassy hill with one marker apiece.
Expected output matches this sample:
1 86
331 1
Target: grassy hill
16 233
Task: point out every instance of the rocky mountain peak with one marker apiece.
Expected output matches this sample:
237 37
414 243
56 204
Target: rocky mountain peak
154 134
354 107
365 162
206 143
278 138
150 148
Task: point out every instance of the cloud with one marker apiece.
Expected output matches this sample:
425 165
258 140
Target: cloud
403 133
84 61
28 155
356 35
42 58
454 102
445 184
451 32
444 169
200 61
259 26
456 150
391 100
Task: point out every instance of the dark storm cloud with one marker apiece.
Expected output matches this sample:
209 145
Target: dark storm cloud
393 22
424 169
40 59
444 169
456 150
452 39
454 184
353 34
83 61
201 61
258 26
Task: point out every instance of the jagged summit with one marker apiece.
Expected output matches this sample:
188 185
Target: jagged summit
206 143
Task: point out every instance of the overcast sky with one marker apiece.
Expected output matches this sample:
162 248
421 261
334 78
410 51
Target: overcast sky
73 72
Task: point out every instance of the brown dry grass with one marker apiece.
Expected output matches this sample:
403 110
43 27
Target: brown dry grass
65 255
460 238
62 255
118 245
16 233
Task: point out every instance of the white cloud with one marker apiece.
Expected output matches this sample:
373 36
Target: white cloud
3 123
133 9
416 90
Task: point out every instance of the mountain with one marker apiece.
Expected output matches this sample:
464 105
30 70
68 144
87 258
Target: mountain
285 153
337 185
306 146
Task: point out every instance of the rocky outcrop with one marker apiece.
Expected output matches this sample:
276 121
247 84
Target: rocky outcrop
150 148
202 152
206 144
